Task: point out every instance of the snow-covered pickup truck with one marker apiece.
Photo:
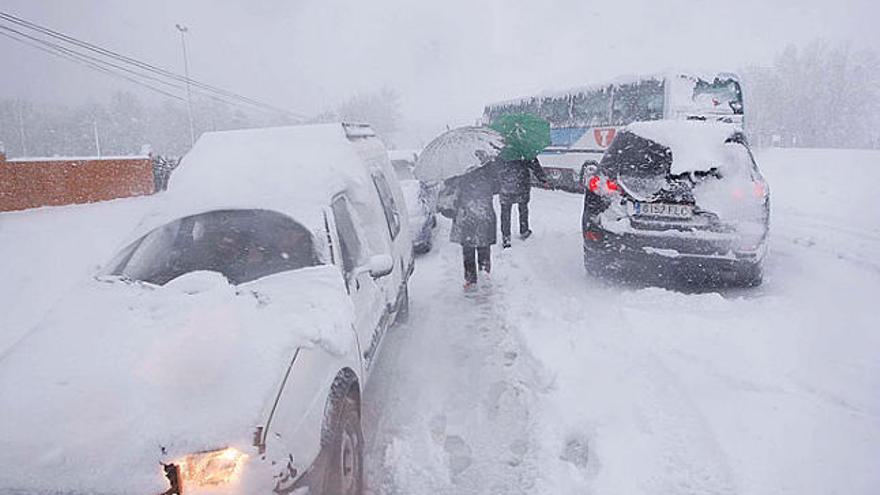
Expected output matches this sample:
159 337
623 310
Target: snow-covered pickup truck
225 348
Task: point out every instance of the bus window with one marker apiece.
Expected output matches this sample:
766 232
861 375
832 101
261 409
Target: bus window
556 110
590 108
636 102
651 98
624 106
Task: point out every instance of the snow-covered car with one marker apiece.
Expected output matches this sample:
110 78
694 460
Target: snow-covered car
225 348
682 193
422 212
420 200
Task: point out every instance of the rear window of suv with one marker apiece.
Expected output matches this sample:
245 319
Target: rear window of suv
634 156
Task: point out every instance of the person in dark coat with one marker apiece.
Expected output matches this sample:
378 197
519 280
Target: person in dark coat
516 186
474 224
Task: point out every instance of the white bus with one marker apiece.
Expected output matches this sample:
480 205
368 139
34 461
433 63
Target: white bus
584 120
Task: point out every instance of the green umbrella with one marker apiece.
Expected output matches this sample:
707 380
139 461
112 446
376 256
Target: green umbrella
525 134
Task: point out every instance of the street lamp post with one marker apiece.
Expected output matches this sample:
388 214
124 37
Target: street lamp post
192 133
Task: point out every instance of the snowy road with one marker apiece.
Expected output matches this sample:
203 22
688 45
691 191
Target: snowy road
552 382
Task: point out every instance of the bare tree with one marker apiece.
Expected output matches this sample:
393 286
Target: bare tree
819 96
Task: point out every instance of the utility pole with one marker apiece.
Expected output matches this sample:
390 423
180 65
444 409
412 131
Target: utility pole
24 151
97 140
192 133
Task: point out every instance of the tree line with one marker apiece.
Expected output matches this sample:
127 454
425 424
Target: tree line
125 123
120 126
821 95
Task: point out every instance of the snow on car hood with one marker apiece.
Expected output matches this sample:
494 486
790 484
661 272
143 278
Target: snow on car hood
121 370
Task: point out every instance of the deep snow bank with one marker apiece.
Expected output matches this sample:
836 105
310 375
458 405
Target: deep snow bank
43 252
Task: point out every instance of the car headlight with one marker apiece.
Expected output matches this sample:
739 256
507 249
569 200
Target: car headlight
205 469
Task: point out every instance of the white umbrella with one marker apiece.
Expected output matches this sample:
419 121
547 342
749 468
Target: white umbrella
457 152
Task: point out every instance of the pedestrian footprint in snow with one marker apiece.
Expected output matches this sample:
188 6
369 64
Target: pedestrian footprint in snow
516 186
467 200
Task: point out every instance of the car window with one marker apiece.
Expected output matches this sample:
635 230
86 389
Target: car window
243 245
634 156
392 214
349 242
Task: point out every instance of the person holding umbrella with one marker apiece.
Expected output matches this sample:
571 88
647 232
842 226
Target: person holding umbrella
466 160
474 222
525 136
516 186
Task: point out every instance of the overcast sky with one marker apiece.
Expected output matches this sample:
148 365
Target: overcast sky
446 58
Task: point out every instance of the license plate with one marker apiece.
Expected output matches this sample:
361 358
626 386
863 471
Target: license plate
667 210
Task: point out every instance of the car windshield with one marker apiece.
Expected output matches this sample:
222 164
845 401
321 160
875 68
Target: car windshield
243 245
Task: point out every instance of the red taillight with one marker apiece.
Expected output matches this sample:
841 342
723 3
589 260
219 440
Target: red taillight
759 190
600 185
611 185
592 236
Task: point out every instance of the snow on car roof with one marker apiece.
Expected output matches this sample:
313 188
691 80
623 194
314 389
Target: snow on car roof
695 145
295 170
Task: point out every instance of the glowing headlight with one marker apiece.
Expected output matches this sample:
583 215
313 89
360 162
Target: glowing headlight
212 468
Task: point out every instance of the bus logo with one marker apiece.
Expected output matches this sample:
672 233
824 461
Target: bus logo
604 136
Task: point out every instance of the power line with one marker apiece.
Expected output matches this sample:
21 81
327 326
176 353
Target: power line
103 65
81 56
90 65
144 66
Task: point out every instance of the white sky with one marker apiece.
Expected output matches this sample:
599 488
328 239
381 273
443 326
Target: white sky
446 58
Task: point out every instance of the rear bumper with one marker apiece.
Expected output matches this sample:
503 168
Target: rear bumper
671 247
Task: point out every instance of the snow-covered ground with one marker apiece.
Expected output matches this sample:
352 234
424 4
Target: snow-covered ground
552 382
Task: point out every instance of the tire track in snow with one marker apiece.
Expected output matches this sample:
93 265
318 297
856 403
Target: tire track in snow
647 435
842 242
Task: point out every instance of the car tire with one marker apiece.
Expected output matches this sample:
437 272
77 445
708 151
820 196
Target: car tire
403 309
749 274
343 458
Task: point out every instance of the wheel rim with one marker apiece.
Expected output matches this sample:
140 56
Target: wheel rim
348 464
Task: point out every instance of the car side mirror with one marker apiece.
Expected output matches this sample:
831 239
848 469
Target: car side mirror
379 265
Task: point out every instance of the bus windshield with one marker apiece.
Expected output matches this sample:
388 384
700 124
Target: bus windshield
723 93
